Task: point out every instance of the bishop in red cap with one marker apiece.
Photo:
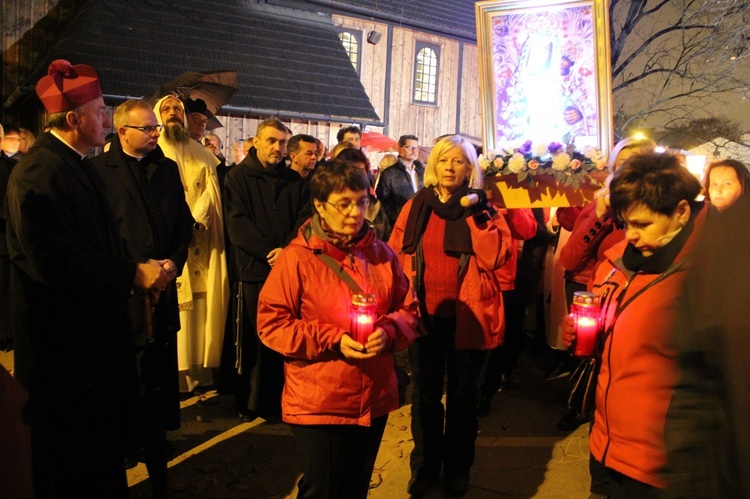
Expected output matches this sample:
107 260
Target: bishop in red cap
74 350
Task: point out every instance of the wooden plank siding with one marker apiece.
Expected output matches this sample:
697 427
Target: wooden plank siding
404 116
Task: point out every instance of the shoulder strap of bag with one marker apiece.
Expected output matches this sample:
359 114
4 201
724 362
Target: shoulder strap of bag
340 272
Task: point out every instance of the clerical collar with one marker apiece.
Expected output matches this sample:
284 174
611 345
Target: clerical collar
137 158
53 132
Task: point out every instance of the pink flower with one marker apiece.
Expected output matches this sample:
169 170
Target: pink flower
533 164
499 163
575 164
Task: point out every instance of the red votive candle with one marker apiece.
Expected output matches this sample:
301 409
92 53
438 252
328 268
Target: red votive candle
586 311
362 317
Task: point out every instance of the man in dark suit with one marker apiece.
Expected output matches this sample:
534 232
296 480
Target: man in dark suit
153 221
71 283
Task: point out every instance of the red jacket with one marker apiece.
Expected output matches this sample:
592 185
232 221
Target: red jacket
522 226
303 311
638 371
591 238
480 321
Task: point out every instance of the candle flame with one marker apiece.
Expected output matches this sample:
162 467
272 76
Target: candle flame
586 321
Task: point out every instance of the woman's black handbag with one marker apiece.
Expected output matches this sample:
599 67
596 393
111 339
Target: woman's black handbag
582 393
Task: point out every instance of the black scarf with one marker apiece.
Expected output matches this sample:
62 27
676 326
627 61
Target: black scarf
457 237
663 257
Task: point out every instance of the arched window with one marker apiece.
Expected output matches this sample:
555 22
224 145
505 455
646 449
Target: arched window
351 45
426 73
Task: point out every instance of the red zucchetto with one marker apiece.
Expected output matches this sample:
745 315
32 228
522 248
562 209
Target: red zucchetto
67 87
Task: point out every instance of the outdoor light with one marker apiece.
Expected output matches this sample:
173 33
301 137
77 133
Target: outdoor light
362 317
586 312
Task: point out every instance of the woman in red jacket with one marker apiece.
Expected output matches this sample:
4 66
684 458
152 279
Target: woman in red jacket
452 254
338 389
639 282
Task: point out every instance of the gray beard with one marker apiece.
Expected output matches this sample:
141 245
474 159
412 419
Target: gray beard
176 134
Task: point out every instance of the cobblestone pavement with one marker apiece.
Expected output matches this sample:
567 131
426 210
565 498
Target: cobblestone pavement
520 451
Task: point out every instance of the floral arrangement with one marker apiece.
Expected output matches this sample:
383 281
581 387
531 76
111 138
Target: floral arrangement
569 167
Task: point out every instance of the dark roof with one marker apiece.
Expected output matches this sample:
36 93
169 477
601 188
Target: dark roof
453 18
287 59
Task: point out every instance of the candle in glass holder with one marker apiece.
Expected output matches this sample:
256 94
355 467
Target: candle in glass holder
362 317
586 311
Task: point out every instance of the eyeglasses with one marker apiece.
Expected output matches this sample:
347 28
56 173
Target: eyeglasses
146 129
345 207
411 148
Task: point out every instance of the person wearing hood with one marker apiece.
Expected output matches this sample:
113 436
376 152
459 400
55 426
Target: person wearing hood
340 380
265 205
203 287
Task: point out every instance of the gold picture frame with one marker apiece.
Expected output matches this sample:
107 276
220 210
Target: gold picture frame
545 77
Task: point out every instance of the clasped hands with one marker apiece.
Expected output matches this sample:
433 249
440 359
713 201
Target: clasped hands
154 276
352 349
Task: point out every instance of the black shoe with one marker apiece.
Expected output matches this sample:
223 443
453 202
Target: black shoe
418 487
561 370
571 421
457 485
247 415
484 407
506 381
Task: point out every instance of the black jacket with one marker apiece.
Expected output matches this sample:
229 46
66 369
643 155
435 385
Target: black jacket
395 188
71 282
263 209
159 229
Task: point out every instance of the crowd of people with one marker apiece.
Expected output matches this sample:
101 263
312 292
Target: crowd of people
292 279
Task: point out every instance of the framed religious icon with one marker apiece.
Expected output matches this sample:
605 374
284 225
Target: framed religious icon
546 98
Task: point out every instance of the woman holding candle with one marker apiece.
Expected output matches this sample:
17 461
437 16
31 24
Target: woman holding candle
638 283
339 388
451 253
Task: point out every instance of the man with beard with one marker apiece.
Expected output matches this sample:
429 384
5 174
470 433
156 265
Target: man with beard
265 204
153 221
203 289
71 282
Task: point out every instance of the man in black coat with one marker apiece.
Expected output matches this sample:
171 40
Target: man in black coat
71 282
399 183
6 334
154 222
265 203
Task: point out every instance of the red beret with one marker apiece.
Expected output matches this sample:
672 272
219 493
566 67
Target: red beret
66 86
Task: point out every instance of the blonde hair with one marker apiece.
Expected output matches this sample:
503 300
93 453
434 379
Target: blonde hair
629 143
441 148
387 161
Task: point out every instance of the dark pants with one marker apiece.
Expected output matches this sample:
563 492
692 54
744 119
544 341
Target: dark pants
337 460
78 460
260 378
159 388
443 436
624 487
503 359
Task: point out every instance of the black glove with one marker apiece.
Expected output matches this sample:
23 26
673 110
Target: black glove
483 204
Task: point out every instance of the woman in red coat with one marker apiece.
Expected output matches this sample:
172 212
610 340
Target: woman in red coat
452 254
338 390
639 282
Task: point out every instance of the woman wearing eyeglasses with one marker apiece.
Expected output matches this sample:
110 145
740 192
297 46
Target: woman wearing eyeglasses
451 253
338 388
